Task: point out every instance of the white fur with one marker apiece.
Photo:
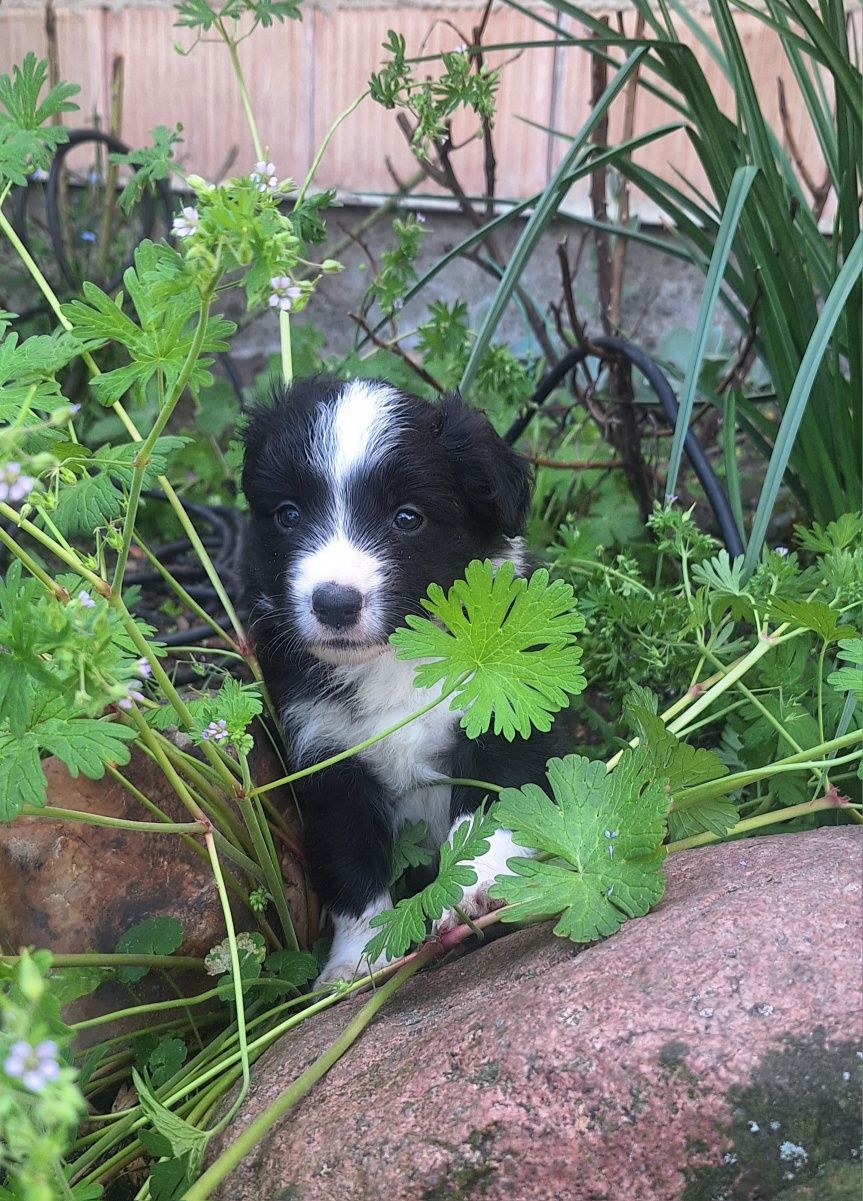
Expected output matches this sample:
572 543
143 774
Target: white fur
351 435
355 432
339 561
408 762
350 935
475 902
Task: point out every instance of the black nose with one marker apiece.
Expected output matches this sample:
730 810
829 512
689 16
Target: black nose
336 605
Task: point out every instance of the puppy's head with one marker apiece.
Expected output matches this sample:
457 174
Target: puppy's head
361 496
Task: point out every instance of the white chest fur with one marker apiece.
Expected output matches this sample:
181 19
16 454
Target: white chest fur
378 695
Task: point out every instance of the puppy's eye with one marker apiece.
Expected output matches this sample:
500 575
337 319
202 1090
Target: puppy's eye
408 520
287 515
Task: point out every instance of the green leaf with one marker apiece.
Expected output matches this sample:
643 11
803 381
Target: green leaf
84 744
166 1060
849 679
409 850
27 141
604 831
153 936
292 969
170 1179
405 925
22 781
183 1137
68 984
812 615
514 640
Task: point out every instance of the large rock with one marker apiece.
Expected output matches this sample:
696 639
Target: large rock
74 887
708 1051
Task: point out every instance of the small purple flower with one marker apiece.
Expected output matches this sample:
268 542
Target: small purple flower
85 600
671 499
782 551
284 293
33 1066
143 668
421 217
74 408
398 304
216 730
14 485
264 175
132 694
187 222
87 235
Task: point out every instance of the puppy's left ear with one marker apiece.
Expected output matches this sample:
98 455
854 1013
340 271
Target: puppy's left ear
496 481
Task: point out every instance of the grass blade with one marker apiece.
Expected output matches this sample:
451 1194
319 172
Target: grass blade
797 400
737 194
550 201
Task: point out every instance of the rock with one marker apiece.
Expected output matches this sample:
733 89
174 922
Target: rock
708 1051
73 887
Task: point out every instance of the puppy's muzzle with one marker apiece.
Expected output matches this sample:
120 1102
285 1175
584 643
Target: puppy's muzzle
337 606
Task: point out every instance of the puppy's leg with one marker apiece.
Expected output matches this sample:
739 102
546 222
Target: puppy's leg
475 901
349 841
509 765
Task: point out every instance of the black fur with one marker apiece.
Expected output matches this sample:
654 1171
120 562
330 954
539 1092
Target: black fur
474 493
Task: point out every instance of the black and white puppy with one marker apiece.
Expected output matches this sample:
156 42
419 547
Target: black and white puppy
361 496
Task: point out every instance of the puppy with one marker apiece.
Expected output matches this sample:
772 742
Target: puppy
361 496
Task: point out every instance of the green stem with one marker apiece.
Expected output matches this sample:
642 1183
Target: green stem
762 709
244 94
116 823
360 746
756 823
328 137
255 822
237 980
808 760
255 1131
285 345
110 959
59 552
142 458
192 605
32 566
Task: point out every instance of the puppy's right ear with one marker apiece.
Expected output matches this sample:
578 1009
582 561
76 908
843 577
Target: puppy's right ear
495 480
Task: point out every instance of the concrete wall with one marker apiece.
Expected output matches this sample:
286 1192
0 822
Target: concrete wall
303 73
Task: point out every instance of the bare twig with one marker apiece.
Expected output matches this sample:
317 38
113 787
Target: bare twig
575 464
395 349
820 192
737 372
618 260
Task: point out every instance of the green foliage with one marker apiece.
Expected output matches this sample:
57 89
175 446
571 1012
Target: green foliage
410 850
397 266
406 924
603 832
849 678
152 164
40 1098
27 141
159 341
504 644
153 936
432 103
199 14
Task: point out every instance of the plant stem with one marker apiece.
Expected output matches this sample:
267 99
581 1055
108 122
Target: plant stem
116 823
71 560
241 85
360 746
236 977
110 959
285 345
231 1157
757 823
328 137
32 566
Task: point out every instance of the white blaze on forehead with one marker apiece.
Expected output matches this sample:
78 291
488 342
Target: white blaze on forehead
355 431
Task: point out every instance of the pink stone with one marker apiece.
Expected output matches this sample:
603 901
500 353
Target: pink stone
532 1070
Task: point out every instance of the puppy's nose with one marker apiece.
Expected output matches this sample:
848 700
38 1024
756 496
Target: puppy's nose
336 605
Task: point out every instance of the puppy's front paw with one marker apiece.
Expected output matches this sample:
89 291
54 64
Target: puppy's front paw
350 936
476 902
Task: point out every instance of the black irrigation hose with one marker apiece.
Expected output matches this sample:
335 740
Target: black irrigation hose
656 378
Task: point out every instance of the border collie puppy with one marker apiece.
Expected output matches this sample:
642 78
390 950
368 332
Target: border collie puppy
361 496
